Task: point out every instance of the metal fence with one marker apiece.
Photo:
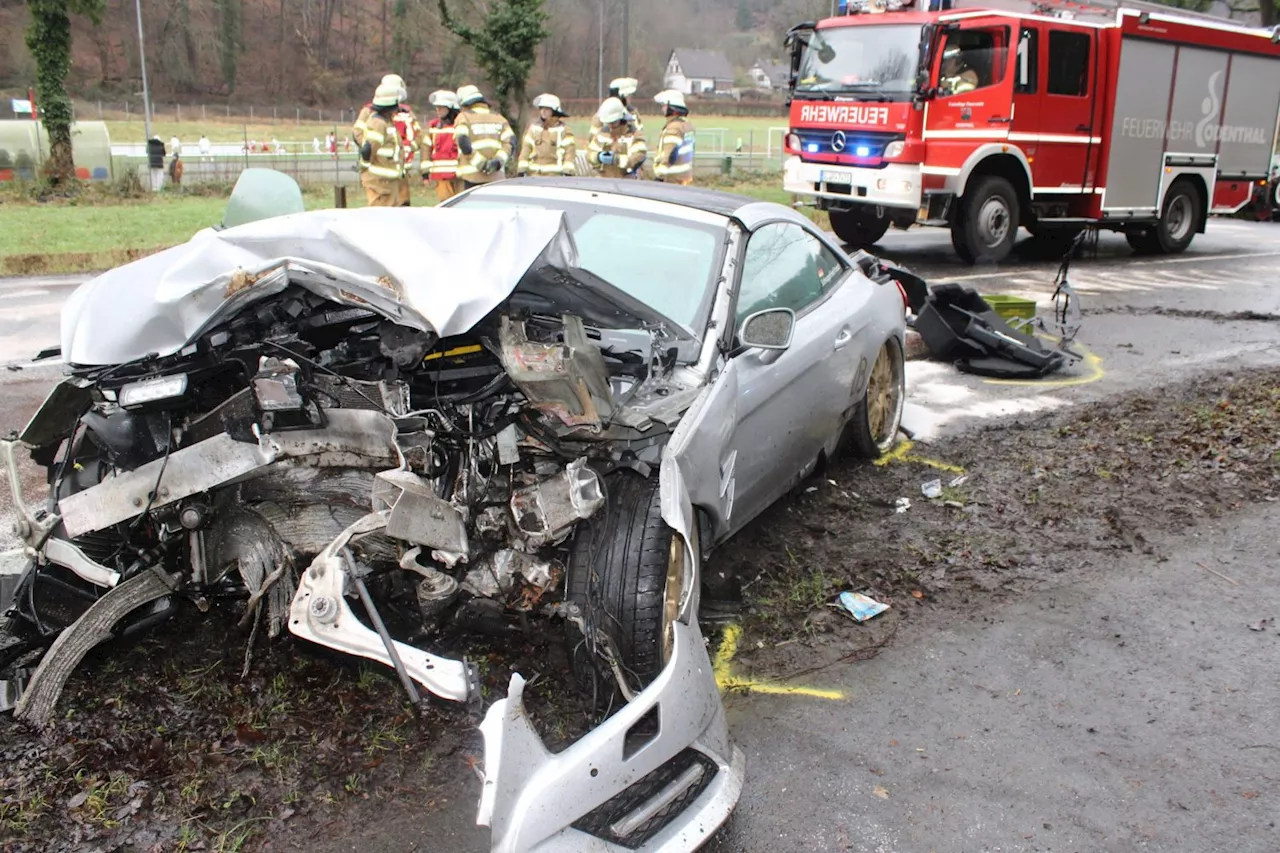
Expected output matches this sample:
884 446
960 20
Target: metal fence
323 170
131 110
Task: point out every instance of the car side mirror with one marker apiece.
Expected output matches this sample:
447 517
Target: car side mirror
768 329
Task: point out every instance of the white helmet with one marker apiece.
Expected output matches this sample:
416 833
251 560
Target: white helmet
612 110
468 95
551 102
671 98
624 87
444 98
387 95
397 81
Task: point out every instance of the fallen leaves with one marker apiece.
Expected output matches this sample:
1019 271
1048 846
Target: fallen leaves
881 792
1261 624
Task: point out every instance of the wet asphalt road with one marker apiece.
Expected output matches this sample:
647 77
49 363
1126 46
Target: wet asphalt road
1125 711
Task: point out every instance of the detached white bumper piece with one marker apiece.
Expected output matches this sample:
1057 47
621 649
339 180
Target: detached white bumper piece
641 781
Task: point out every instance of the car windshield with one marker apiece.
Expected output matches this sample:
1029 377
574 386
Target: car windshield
666 262
878 60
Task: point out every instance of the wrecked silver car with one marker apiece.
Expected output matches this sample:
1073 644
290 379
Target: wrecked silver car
551 398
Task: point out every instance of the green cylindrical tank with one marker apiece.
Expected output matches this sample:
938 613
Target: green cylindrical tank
24 146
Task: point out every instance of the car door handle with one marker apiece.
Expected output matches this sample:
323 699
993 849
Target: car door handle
1000 120
1083 128
842 339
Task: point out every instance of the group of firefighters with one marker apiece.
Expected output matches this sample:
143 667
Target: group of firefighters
468 143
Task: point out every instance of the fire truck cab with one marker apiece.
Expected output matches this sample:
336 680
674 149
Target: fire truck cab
1054 118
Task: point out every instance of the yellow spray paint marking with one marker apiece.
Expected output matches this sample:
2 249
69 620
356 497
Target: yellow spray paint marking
726 680
902 453
1092 364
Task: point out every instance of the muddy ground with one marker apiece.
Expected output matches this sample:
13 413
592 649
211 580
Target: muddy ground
163 746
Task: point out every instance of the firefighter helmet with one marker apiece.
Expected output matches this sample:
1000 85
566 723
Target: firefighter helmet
387 95
672 98
612 110
623 87
397 81
551 102
468 95
444 98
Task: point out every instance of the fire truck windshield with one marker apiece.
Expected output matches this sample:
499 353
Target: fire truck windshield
871 62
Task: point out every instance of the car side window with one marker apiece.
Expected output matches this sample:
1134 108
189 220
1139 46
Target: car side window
785 267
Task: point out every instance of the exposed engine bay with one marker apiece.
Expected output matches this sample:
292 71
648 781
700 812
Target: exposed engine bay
463 463
295 440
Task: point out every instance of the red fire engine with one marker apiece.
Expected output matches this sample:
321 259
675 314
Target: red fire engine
1138 119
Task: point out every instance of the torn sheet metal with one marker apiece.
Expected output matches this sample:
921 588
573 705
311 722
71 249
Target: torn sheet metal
353 438
546 512
565 380
417 515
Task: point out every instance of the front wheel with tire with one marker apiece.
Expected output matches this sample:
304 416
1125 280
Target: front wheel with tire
987 221
873 427
1179 220
626 575
861 226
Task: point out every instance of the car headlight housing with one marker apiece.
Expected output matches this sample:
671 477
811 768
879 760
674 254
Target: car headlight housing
895 148
151 390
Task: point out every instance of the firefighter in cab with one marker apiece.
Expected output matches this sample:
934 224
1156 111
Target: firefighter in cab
382 151
956 76
673 163
621 88
484 140
440 162
548 147
619 150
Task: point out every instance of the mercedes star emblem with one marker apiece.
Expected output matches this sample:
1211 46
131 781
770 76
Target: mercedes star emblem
838 141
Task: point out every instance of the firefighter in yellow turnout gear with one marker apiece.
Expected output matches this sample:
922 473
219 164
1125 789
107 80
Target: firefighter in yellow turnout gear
382 151
673 163
621 88
548 147
484 139
619 150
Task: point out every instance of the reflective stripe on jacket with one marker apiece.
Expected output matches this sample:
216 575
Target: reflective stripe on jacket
410 133
443 156
548 151
387 160
629 151
490 135
674 161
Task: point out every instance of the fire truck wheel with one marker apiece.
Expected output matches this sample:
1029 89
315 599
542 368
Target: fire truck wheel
987 222
861 226
1178 221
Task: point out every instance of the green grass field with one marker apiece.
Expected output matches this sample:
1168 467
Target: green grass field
99 231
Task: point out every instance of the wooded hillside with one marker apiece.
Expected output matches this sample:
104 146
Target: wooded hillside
331 52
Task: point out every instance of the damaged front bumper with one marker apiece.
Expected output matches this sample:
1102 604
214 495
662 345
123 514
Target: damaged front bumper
659 775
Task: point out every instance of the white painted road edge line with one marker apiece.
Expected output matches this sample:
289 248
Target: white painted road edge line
1184 260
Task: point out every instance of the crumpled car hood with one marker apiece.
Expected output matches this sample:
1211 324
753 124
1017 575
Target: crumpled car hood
432 269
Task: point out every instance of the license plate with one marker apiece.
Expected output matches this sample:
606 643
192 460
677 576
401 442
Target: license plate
830 177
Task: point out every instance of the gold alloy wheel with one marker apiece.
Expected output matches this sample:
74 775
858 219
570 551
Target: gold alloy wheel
883 403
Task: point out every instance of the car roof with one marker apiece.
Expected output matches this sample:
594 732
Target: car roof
748 211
